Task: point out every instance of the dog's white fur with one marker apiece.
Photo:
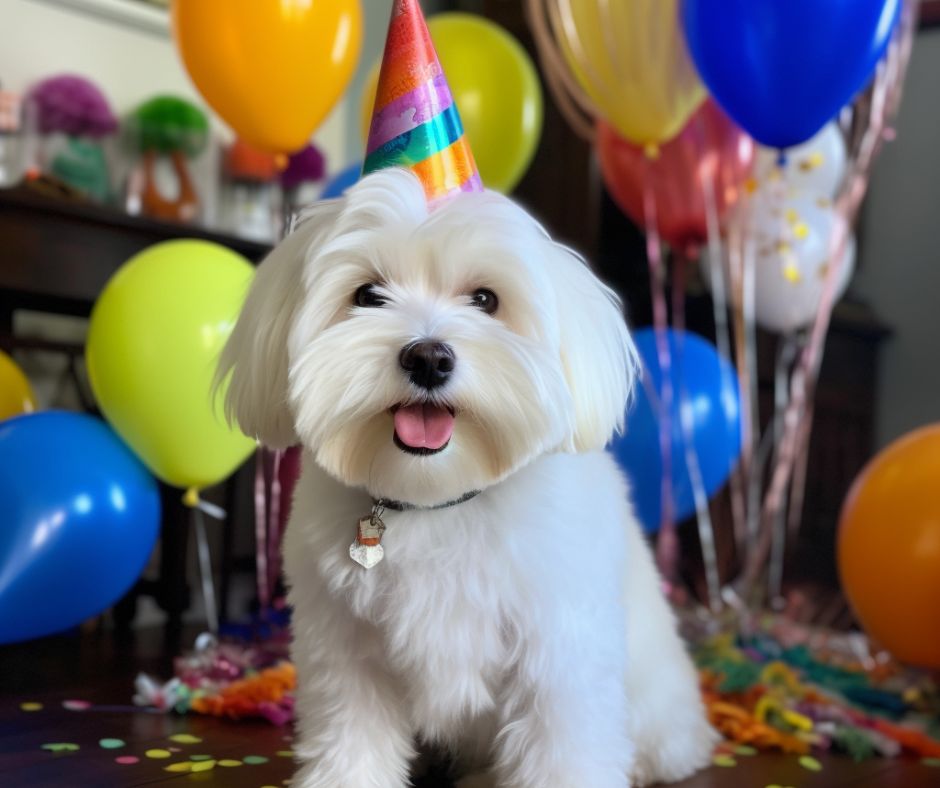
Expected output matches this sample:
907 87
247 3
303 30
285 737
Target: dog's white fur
525 629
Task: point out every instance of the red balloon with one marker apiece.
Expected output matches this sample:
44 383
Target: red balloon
710 148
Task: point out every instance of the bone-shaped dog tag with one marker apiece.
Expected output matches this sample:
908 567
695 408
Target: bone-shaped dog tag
367 550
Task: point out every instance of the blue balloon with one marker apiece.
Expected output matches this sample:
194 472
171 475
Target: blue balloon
711 387
342 181
79 516
782 69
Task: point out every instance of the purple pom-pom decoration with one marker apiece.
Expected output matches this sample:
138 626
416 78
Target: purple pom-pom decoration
72 105
308 164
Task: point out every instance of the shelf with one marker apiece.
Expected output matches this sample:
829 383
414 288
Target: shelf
56 255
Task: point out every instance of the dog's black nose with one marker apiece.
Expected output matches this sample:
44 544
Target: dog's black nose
428 364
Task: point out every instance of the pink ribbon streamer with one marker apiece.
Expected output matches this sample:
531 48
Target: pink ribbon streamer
261 530
667 545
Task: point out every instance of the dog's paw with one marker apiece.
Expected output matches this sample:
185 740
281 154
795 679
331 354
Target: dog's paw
479 780
678 755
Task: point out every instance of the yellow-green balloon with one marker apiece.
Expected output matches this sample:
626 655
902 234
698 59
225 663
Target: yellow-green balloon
497 91
155 336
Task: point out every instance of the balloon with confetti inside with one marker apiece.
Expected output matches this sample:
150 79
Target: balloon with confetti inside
816 167
794 237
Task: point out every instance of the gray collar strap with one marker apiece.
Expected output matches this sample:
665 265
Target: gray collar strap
402 506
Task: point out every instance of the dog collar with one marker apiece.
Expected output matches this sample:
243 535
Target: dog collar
403 506
367 548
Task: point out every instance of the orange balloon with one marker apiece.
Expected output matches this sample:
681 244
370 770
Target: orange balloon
889 547
273 69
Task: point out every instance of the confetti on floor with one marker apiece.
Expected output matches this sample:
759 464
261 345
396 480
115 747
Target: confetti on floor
934 762
743 749
810 763
229 763
111 744
724 760
157 753
285 753
254 760
76 705
127 760
60 747
200 757
185 738
31 706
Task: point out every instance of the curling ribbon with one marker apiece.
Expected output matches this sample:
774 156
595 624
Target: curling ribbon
199 507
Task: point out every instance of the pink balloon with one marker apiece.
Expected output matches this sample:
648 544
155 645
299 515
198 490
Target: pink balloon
710 149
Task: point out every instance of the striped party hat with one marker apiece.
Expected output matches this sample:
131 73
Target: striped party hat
415 123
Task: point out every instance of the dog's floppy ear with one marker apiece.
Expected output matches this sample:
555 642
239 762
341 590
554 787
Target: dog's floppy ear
598 355
256 351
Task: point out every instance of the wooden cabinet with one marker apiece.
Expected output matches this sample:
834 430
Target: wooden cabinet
56 256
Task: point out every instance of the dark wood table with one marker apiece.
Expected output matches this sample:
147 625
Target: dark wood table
100 668
56 255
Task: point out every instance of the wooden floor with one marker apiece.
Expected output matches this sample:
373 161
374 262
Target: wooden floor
99 669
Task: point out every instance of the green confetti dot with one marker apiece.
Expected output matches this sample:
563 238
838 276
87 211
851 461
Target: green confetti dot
725 761
285 753
254 760
810 763
200 757
203 766
60 747
31 706
185 738
228 763
743 749
111 744
934 762
157 753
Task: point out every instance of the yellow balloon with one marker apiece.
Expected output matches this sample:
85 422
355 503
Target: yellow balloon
497 90
273 69
156 332
631 60
16 395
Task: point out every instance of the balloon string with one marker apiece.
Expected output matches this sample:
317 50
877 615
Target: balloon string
274 524
667 546
789 348
798 486
706 529
716 274
737 252
261 530
749 342
570 98
205 571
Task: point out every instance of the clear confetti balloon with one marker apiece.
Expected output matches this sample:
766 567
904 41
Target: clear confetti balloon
816 167
796 236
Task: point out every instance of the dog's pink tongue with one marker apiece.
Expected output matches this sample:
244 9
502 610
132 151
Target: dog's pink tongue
423 426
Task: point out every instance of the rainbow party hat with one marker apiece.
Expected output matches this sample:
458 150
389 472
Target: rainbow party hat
415 123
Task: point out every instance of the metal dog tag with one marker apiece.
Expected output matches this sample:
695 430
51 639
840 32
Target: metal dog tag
367 550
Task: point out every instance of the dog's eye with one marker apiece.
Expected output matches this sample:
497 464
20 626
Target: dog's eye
484 300
368 296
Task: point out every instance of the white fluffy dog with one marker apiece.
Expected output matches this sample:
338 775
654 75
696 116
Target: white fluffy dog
463 372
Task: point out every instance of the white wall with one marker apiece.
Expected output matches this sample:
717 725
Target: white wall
130 63
900 253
